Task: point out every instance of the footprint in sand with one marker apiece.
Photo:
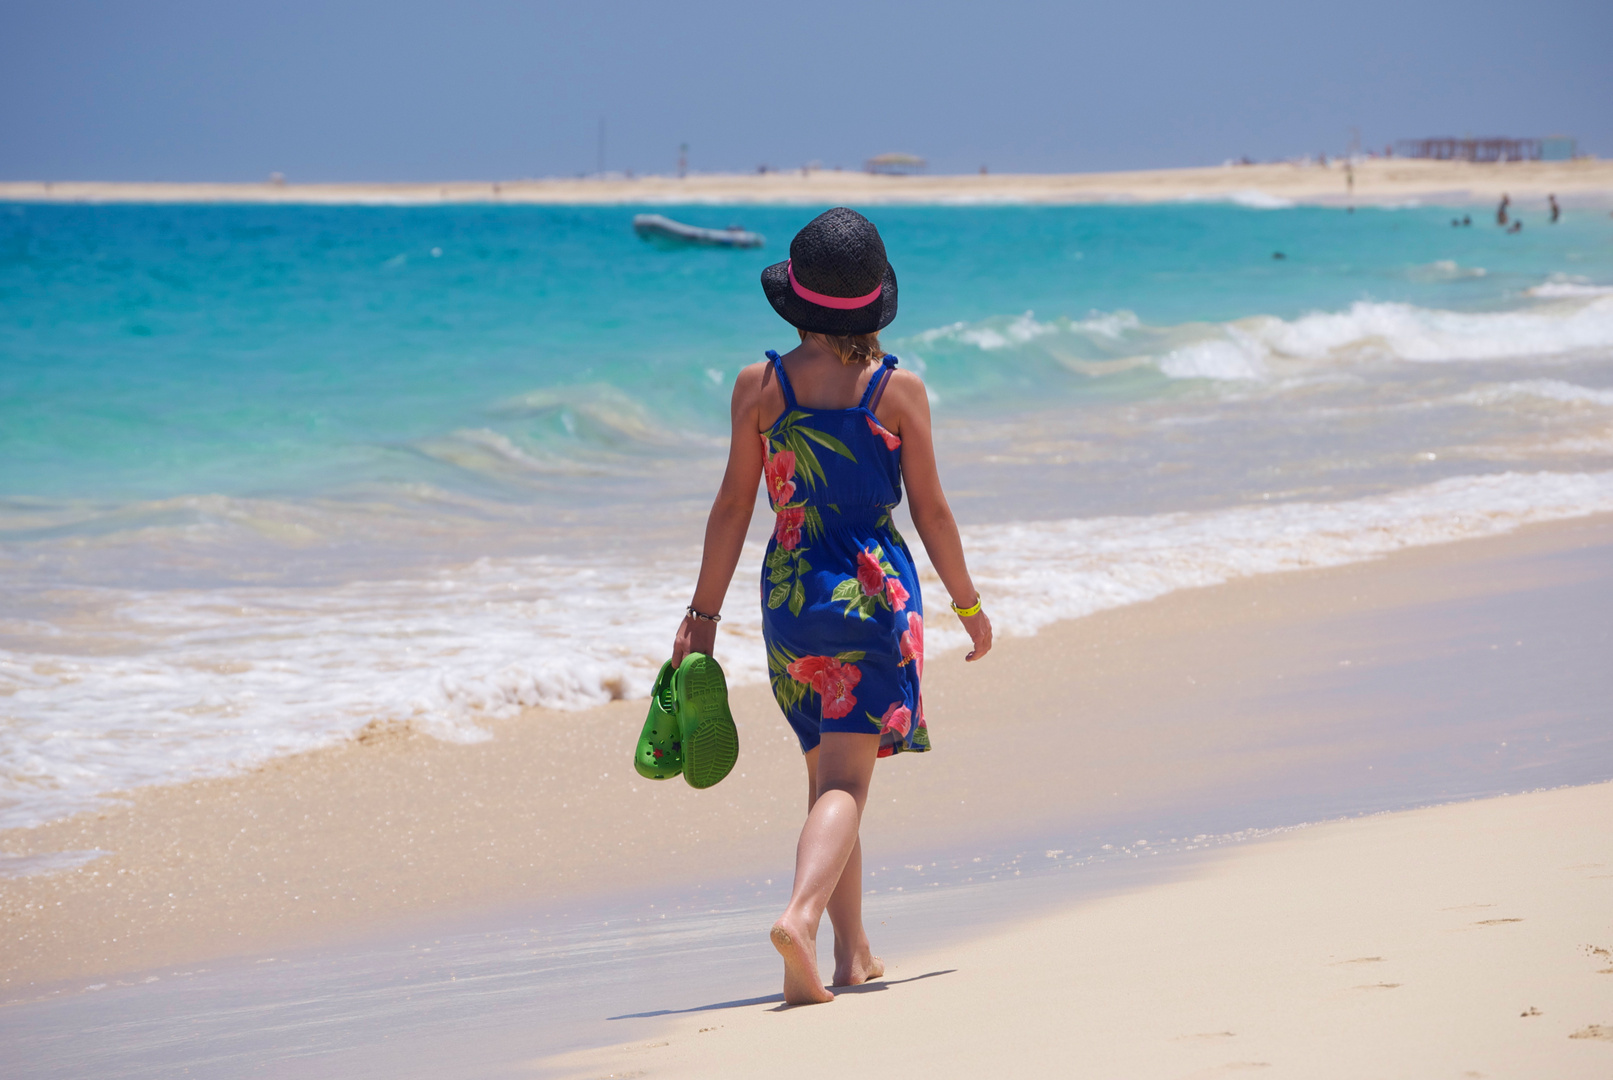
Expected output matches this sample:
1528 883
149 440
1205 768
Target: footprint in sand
1595 1031
1204 1036
1380 986
1531 1011
1361 960
1495 922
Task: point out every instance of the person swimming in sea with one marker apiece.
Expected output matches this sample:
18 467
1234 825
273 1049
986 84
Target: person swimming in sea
834 432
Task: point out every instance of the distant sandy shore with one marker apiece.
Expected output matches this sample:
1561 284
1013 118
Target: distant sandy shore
1188 700
1473 940
1376 182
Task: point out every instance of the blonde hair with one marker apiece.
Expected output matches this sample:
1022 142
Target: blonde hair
851 348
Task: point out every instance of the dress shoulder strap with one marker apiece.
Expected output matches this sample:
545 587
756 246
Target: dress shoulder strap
783 379
876 385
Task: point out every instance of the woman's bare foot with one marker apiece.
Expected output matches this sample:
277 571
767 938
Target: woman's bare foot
802 985
857 968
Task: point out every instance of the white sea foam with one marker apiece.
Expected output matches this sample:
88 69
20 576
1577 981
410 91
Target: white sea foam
1000 334
1407 332
1576 322
1568 285
1233 357
1040 572
1247 348
186 683
1253 198
1548 389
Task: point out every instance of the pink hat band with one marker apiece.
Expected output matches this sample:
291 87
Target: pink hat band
839 303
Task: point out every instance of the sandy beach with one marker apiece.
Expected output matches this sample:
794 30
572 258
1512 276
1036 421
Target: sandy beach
1472 940
1378 181
1289 685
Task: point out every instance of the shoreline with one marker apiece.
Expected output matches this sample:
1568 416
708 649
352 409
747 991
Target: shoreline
1380 181
395 827
1470 936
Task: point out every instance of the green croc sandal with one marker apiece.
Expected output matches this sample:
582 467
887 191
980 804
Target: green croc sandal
660 745
710 740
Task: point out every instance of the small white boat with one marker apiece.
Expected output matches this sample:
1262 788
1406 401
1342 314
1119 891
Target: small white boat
664 230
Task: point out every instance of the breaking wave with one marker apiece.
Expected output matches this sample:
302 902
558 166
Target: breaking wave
1559 320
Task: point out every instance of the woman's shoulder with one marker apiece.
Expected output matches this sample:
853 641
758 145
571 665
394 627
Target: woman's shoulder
904 383
903 402
756 391
753 379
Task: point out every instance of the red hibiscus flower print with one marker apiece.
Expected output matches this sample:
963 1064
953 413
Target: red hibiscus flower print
891 441
898 720
838 683
913 642
870 575
779 476
809 670
787 528
896 593
832 680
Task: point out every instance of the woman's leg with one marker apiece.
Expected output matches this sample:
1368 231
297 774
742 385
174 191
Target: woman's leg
843 767
855 961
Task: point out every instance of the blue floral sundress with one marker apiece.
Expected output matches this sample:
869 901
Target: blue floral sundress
841 611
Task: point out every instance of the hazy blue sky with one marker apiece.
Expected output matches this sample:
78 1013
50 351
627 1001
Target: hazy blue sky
402 89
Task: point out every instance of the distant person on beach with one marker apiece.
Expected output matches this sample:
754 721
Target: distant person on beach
833 430
1556 211
1501 211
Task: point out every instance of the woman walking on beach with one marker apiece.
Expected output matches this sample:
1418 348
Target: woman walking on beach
835 430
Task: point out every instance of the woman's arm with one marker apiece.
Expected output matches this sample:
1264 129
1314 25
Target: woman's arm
729 519
908 407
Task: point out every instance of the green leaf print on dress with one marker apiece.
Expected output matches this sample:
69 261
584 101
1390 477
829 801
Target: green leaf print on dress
790 437
788 562
877 585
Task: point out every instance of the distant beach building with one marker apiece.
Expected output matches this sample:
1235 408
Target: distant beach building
894 164
1559 148
1550 148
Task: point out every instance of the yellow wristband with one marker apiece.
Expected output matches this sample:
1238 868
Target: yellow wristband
965 612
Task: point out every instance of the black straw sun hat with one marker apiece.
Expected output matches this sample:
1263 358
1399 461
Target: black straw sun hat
837 279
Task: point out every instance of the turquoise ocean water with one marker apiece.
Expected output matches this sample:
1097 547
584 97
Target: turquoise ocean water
270 472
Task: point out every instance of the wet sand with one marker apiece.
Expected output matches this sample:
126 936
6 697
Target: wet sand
1467 940
1436 673
1585 182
